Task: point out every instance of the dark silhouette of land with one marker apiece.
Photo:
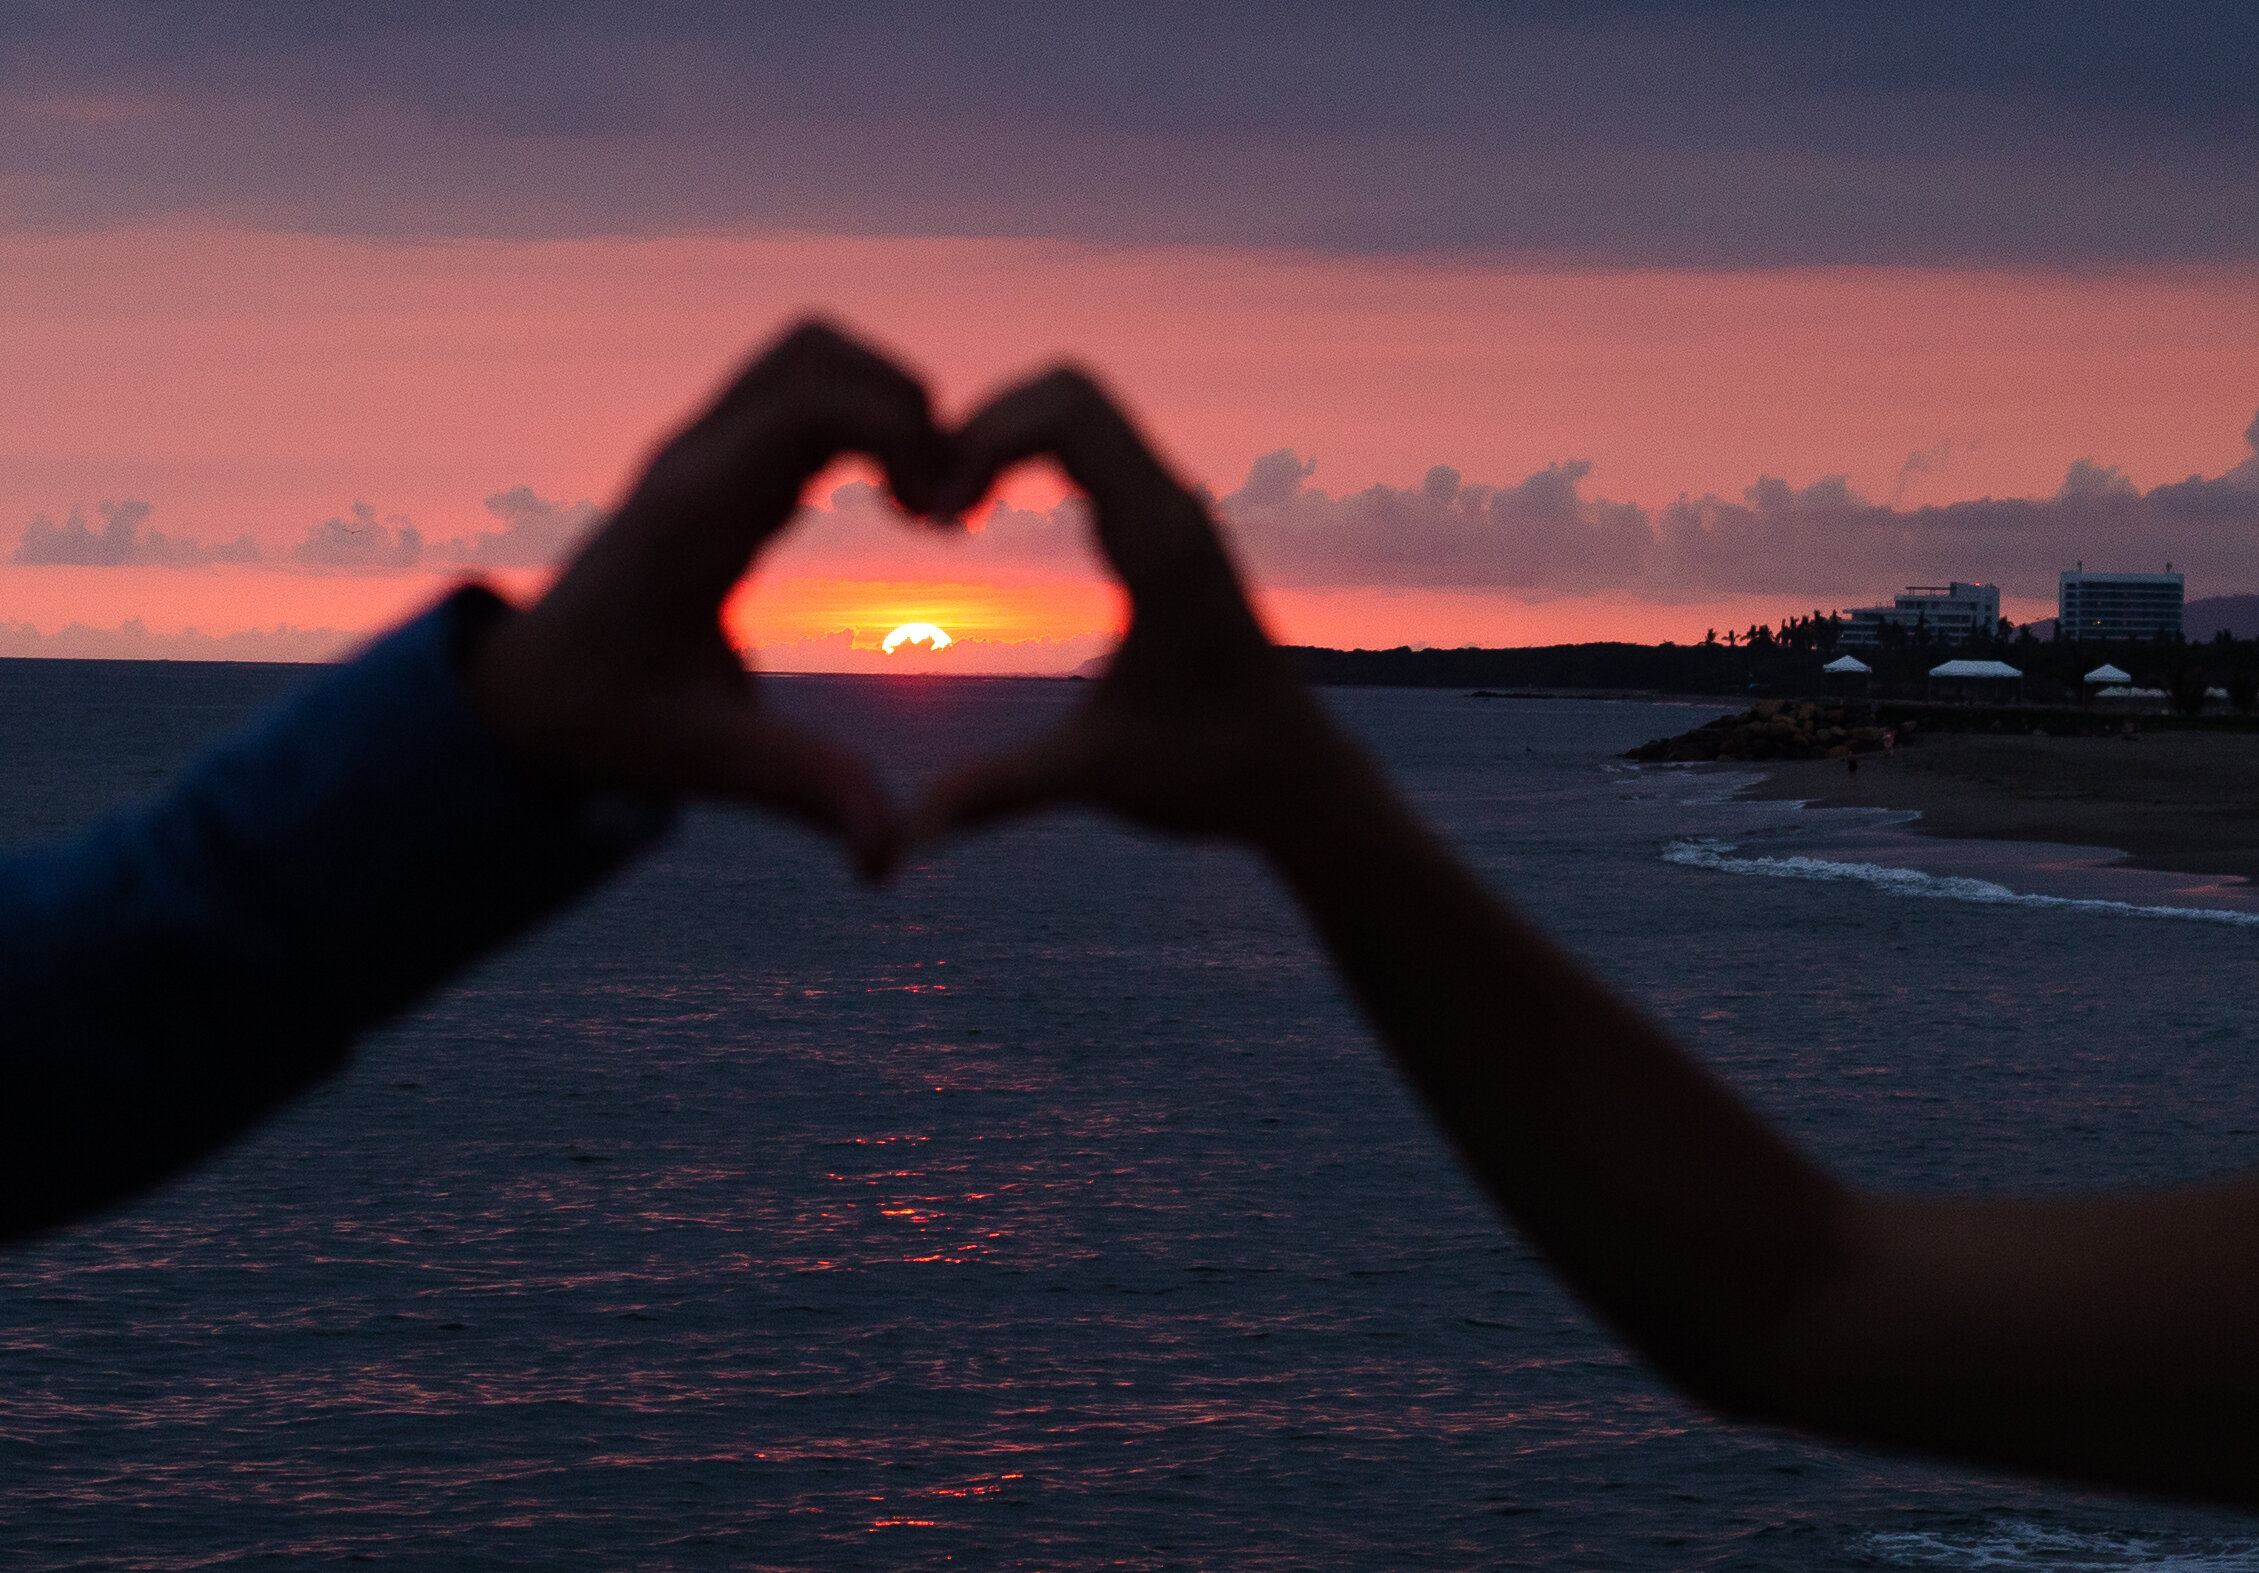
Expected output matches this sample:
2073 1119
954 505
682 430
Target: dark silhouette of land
1785 662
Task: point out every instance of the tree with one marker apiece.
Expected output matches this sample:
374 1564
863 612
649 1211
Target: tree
2243 689
2186 683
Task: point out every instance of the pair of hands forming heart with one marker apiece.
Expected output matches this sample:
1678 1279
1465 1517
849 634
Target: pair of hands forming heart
621 676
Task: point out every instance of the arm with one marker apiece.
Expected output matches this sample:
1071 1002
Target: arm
2107 1338
180 970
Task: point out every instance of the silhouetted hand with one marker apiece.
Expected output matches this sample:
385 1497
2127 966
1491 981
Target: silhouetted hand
1197 726
621 676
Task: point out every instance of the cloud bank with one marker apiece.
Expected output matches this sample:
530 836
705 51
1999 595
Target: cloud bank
1542 536
132 641
534 532
122 541
1546 535
1711 132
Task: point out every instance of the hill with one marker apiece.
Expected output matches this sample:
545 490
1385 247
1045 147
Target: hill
2238 614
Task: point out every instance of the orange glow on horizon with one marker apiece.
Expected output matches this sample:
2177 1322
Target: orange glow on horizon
254 383
794 610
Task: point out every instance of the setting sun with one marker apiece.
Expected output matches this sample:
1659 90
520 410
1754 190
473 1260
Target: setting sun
915 633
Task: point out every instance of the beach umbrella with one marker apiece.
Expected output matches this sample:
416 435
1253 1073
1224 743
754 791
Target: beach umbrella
2107 673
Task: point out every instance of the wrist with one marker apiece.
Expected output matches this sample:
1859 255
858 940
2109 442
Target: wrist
1335 798
488 642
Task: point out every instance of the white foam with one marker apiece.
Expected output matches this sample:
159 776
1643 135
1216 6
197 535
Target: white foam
2023 1544
1718 855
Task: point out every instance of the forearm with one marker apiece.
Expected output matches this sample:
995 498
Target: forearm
1676 1212
2102 1337
183 968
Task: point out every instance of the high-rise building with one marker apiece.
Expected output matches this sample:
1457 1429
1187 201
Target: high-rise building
2117 605
1950 612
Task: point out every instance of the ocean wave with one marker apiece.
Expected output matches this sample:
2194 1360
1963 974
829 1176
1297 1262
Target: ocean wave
2023 1544
1719 855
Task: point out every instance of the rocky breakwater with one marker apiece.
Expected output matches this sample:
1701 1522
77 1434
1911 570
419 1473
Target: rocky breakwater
1778 729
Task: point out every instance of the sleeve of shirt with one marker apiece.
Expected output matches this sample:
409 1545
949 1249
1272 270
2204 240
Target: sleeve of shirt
184 967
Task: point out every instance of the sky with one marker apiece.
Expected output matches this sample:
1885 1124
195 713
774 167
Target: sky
1482 324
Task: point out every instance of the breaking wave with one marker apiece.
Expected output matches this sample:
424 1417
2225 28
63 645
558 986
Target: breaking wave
1719 855
2023 1544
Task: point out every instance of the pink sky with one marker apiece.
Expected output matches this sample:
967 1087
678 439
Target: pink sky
245 382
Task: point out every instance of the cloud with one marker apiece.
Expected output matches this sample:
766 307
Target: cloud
1921 462
1542 536
132 641
535 533
1538 534
1718 133
122 541
364 542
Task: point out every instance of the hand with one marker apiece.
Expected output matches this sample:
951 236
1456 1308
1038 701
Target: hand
621 675
1197 726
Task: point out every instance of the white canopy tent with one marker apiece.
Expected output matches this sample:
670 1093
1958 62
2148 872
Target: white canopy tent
1999 670
1847 666
1976 682
2107 673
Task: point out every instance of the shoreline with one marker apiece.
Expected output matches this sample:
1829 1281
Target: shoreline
2179 802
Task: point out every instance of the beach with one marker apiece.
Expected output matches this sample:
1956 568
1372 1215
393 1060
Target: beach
2181 801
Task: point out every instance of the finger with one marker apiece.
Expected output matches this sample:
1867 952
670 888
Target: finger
763 760
1035 776
816 352
720 492
1153 530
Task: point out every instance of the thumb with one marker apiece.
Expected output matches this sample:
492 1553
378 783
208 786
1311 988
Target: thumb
761 759
1038 774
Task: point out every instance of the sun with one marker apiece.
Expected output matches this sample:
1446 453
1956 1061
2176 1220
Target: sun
915 633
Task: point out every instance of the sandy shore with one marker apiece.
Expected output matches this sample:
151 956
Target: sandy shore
2184 801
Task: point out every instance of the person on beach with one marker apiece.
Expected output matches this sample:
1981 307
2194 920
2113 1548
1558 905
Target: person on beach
183 968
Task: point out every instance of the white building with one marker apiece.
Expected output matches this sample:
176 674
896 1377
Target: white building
1950 612
2117 605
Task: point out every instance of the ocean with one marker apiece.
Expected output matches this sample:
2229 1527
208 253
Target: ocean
1050 1208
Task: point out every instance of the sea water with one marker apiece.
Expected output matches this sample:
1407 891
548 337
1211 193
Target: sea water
1050 1208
